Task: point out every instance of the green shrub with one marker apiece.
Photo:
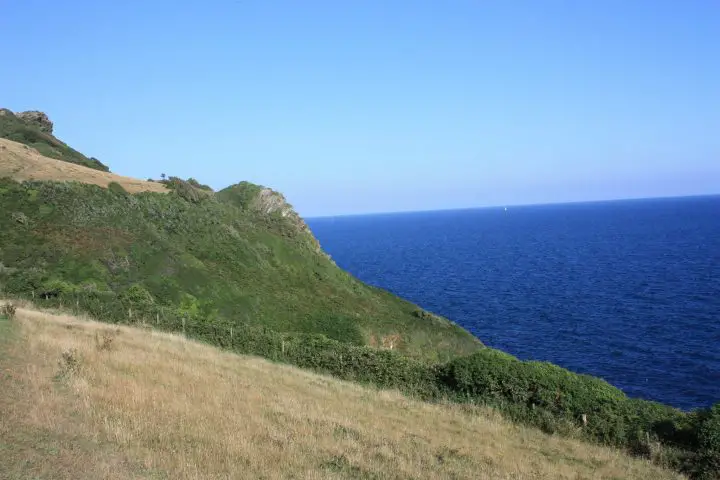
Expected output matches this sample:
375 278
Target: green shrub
336 327
538 389
20 217
98 165
242 195
56 288
382 368
709 444
199 185
24 281
186 190
137 299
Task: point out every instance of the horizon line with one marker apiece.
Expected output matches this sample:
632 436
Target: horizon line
507 205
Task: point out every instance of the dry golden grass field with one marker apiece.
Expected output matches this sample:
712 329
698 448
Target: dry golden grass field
21 162
87 400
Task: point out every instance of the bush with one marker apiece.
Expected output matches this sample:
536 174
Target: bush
336 327
20 217
56 288
536 389
70 363
186 190
115 187
98 165
199 185
104 341
381 368
709 444
137 298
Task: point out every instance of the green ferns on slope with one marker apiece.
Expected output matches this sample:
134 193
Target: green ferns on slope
159 257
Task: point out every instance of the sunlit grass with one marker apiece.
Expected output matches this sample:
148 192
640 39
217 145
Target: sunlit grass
151 405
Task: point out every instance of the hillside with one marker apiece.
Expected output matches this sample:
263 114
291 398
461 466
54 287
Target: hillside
239 269
35 130
21 162
84 400
124 249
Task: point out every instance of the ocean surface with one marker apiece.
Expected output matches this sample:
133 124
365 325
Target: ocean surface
625 290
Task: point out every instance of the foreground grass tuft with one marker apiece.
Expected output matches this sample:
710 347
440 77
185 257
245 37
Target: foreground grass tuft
8 310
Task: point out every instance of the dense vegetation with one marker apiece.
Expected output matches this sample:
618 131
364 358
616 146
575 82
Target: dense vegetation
199 256
15 129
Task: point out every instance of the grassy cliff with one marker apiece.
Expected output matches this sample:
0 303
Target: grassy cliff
156 256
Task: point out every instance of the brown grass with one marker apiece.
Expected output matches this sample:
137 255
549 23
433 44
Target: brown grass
151 405
21 162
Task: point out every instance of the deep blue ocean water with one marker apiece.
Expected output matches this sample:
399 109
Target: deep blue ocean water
626 290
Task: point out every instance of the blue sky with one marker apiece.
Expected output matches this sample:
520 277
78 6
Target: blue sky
372 106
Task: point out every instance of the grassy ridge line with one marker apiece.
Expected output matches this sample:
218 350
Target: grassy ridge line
130 403
536 394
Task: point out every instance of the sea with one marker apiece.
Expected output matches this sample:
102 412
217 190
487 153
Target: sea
628 291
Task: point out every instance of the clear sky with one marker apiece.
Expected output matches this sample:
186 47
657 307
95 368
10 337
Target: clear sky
370 106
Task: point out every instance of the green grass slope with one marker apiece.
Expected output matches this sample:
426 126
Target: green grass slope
14 128
237 258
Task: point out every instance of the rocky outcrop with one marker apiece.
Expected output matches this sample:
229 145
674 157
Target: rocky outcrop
37 119
269 202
